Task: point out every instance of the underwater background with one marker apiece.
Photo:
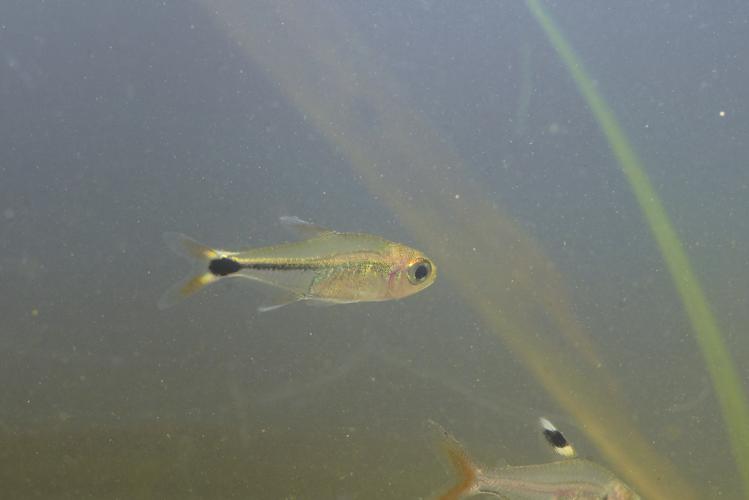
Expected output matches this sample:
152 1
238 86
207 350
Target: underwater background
453 127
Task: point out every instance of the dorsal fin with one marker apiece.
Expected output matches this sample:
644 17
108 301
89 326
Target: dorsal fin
303 228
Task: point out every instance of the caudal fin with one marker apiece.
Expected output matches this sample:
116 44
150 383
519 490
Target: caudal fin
468 481
199 276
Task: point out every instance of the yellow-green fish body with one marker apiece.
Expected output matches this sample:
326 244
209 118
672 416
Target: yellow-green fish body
329 267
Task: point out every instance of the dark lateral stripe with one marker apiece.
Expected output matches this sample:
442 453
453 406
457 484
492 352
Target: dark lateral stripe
225 266
281 266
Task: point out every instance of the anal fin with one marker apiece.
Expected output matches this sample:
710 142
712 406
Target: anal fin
280 300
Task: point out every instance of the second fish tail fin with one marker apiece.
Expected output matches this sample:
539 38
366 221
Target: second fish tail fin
199 276
468 474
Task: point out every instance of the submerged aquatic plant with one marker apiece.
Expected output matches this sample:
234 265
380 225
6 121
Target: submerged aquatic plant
725 378
479 247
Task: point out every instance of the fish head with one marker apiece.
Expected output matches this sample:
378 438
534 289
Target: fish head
411 271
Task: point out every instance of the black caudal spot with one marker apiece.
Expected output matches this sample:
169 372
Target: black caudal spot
224 266
555 438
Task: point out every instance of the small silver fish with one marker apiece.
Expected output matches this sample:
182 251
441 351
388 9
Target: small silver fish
327 267
574 479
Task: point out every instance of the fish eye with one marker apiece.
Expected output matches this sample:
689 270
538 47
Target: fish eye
419 271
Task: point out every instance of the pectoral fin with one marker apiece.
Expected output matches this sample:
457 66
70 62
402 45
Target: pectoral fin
326 302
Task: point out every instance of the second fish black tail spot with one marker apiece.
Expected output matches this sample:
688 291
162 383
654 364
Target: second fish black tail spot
555 438
224 266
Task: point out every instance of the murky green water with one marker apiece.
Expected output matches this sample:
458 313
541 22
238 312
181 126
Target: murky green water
124 120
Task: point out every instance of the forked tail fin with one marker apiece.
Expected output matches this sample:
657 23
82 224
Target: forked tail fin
198 277
468 474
